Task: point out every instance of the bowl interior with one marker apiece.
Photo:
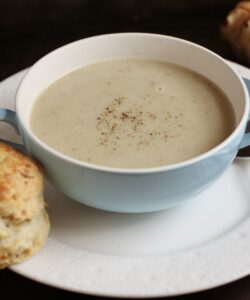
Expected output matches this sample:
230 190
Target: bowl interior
128 45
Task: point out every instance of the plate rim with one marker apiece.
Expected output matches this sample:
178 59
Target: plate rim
231 235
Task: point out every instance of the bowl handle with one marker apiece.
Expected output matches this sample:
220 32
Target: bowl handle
246 139
9 117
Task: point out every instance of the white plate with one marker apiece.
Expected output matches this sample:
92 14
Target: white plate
201 244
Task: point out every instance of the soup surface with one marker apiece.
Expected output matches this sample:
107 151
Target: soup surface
132 113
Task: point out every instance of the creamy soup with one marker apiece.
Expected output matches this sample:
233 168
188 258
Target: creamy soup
132 113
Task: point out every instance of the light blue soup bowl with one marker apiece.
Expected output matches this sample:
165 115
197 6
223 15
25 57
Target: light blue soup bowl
131 190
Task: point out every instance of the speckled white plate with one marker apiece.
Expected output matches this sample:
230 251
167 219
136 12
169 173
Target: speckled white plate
201 244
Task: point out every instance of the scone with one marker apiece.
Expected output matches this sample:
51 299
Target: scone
19 241
24 222
21 186
236 30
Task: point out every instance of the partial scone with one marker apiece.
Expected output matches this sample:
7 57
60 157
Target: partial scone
19 241
21 186
24 222
236 30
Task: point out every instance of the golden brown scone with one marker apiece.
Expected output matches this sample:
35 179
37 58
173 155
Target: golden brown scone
19 241
24 222
236 30
21 186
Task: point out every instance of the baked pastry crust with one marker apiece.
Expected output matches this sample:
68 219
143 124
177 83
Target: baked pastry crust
19 241
236 30
24 222
21 186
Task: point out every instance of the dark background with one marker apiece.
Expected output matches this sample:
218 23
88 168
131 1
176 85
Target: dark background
31 28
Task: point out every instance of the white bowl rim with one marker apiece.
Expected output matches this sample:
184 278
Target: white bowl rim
131 171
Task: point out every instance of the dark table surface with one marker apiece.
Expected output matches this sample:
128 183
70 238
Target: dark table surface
31 28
